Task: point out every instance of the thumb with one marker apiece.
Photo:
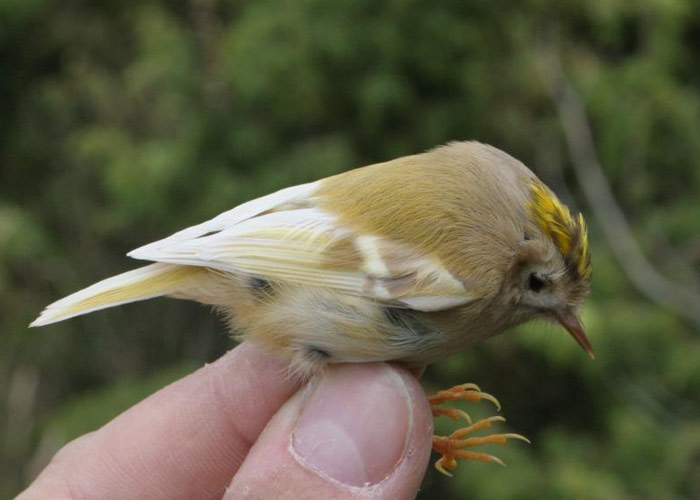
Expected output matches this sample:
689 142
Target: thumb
357 431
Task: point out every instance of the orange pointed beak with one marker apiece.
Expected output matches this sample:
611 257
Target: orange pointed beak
570 321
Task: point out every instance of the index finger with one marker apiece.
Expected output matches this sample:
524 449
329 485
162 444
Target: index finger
185 441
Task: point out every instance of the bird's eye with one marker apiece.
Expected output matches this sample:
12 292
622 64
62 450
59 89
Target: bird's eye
535 283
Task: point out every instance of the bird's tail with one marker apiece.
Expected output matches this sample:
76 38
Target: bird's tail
147 282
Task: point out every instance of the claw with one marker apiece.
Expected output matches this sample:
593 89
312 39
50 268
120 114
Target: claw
519 437
489 397
481 457
480 425
446 462
464 392
450 464
470 386
453 413
452 447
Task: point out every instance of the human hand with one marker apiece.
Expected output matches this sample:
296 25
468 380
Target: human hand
241 428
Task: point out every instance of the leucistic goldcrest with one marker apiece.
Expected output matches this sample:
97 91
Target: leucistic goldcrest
409 260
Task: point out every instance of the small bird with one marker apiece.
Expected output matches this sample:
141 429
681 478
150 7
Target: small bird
408 260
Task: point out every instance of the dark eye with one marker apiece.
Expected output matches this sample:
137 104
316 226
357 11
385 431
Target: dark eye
535 283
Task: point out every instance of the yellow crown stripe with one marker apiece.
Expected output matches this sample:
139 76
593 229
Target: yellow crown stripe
569 234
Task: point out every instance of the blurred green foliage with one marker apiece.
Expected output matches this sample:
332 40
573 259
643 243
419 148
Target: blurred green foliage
123 121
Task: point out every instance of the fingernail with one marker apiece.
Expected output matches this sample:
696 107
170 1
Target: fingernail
355 424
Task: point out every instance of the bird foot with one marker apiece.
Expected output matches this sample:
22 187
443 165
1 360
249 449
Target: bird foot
452 447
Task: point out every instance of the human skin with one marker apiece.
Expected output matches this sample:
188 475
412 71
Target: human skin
242 428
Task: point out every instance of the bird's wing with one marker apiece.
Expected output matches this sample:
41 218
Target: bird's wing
308 246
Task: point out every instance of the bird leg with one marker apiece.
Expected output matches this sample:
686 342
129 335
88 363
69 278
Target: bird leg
452 447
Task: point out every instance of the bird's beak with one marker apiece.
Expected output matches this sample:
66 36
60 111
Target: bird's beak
570 321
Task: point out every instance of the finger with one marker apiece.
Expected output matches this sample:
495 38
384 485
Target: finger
185 441
359 431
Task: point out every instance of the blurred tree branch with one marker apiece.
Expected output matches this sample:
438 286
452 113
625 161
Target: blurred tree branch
590 175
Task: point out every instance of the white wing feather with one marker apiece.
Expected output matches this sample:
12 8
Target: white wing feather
232 217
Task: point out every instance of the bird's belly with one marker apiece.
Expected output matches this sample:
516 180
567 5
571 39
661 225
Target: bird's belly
317 326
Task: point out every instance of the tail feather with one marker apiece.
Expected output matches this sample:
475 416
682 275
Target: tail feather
144 283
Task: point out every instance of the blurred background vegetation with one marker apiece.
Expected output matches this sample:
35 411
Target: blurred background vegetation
123 121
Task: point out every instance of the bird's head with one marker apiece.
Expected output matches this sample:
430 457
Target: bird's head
551 272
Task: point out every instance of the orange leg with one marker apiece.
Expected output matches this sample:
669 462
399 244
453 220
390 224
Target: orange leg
452 447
